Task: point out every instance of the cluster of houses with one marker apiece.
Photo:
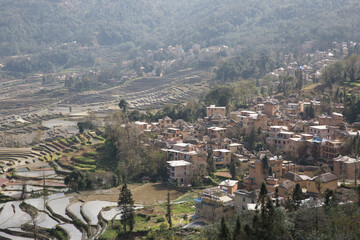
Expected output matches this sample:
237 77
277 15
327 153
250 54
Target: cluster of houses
319 59
317 142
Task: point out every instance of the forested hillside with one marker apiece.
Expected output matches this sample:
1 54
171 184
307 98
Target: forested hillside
27 26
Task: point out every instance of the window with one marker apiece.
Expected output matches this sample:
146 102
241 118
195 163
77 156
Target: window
252 201
243 208
309 184
244 199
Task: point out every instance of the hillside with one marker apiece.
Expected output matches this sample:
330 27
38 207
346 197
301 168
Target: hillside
27 26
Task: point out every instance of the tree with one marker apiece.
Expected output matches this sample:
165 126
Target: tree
358 195
23 191
264 223
250 140
234 164
224 232
211 168
297 196
123 105
277 204
330 200
168 209
126 204
318 184
81 127
198 173
265 163
34 221
262 196
237 230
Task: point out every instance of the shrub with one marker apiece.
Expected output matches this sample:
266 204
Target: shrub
159 220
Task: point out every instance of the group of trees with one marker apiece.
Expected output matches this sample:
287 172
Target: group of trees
131 26
189 112
342 72
126 150
51 61
299 220
80 180
238 94
245 66
351 108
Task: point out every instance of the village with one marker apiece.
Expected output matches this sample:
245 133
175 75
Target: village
216 165
304 152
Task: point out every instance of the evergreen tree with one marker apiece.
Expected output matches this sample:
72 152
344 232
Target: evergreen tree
250 141
233 168
237 230
265 163
358 195
211 169
123 105
262 196
224 233
126 204
297 196
264 223
168 213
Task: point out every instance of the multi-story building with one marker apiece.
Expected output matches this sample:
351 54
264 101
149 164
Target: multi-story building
293 109
182 151
315 105
245 200
297 147
229 185
279 140
141 125
179 171
251 120
165 121
333 120
322 131
213 110
216 132
346 167
214 204
171 133
330 149
235 147
271 108
222 157
258 172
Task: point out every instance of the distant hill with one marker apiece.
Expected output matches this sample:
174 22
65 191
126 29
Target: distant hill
28 26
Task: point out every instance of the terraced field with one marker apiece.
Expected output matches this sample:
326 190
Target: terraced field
34 168
153 92
78 220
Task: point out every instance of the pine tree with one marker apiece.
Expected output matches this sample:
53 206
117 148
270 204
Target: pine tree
211 169
237 230
265 163
126 204
168 213
233 168
262 197
224 233
297 196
